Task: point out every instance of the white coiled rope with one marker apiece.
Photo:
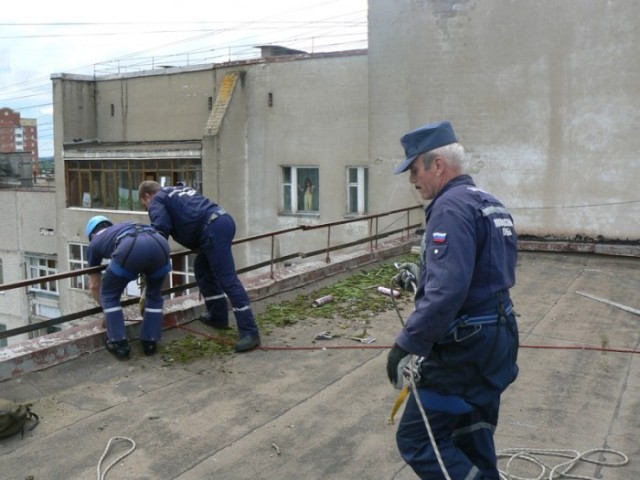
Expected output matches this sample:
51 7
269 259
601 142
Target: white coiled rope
560 470
103 475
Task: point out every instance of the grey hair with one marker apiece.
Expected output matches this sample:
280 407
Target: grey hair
452 153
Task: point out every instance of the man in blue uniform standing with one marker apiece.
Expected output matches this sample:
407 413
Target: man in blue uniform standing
134 249
459 346
199 224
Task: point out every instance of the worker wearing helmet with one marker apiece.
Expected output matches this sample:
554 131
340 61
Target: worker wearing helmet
134 249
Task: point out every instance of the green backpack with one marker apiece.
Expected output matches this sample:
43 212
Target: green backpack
14 417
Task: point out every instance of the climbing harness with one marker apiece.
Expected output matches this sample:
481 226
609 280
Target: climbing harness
218 213
134 231
120 269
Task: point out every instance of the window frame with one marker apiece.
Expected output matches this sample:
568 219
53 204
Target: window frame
48 287
361 187
293 191
181 276
78 264
112 184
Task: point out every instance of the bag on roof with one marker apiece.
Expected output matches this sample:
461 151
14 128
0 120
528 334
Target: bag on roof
16 417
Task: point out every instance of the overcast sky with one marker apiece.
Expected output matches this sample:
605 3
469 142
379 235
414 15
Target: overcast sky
42 37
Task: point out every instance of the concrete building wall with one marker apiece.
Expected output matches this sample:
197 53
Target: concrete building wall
76 120
317 117
304 113
544 96
168 106
28 219
12 270
11 301
16 169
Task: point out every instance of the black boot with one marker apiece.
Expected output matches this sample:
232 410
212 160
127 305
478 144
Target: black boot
247 342
120 349
149 347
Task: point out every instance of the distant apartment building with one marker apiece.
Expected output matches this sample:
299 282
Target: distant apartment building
19 134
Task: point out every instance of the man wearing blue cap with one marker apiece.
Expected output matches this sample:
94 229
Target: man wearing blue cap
458 348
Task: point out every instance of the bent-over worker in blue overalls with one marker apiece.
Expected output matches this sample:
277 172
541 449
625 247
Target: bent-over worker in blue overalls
134 249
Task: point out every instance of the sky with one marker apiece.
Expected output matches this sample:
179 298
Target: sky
44 37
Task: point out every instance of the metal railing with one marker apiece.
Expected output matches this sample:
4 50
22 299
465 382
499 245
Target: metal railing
374 235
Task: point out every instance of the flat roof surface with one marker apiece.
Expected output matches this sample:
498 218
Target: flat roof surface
298 410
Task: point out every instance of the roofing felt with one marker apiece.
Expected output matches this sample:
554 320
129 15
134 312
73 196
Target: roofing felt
319 409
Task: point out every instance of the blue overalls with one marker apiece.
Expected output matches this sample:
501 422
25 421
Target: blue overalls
464 334
216 276
200 224
133 249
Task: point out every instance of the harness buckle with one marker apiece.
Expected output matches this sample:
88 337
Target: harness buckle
457 338
412 369
216 214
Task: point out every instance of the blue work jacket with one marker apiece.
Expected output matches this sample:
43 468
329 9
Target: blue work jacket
181 212
469 258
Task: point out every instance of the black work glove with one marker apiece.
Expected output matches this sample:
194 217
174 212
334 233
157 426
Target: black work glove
396 360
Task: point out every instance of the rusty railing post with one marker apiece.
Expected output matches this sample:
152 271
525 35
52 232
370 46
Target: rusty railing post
273 241
328 258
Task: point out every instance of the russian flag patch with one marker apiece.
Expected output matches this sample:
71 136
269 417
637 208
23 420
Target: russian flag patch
439 237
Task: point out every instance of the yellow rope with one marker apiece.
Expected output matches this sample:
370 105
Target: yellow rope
399 401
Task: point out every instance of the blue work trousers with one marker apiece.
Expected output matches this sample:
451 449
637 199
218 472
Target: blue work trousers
216 276
464 440
143 253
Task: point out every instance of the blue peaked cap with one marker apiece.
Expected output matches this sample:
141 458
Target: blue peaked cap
424 139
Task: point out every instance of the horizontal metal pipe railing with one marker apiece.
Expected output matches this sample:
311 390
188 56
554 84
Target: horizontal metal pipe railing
373 236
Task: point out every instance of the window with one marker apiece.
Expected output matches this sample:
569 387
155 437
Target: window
357 190
113 184
301 187
42 266
78 261
1 273
3 341
182 273
43 296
